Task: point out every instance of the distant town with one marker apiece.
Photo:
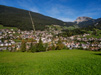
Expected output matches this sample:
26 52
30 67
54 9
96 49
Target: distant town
11 40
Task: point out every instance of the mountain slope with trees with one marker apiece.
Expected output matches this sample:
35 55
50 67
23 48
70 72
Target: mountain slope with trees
14 17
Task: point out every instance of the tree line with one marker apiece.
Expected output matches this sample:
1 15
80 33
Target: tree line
40 47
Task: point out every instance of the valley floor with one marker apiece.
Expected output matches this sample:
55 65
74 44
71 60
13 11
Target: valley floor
60 62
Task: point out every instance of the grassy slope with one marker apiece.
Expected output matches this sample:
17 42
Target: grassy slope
72 27
95 36
64 62
2 27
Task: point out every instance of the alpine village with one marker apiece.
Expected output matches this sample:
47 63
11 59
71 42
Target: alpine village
50 36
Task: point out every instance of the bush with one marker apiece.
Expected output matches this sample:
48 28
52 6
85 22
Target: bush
23 46
65 47
33 48
60 46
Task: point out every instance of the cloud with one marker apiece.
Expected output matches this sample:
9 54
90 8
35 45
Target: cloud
34 9
64 0
61 12
94 11
7 3
60 9
53 11
66 19
29 5
3 2
49 8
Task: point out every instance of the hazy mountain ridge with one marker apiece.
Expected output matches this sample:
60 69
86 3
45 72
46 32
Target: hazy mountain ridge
87 21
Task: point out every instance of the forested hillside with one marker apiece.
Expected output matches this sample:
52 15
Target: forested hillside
14 17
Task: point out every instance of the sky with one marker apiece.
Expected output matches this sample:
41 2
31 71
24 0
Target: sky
65 10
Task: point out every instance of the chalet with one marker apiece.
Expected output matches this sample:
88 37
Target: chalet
0 33
1 44
1 37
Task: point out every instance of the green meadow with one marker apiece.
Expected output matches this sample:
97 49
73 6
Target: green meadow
57 62
2 27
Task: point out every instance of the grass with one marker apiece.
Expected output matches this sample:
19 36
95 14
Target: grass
72 27
16 40
2 27
93 36
98 32
61 62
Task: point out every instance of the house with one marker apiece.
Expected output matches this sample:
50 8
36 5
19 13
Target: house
6 44
1 44
0 33
1 37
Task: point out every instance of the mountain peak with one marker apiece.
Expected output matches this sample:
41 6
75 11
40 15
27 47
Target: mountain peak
82 19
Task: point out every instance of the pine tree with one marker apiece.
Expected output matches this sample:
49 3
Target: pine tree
53 47
46 46
23 46
40 46
33 48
